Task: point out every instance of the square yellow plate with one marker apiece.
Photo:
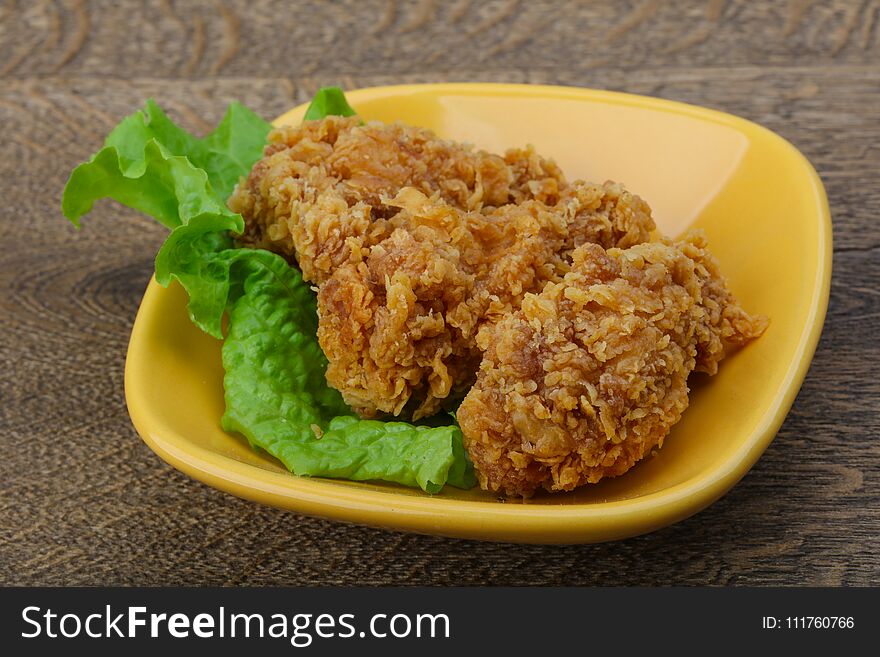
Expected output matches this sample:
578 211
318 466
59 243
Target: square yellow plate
766 215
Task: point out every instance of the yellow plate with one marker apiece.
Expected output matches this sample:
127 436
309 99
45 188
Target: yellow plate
766 215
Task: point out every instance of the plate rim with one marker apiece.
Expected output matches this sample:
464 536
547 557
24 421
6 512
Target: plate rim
577 523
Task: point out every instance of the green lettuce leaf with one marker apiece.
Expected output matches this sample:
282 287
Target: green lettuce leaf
180 197
276 392
328 101
150 164
225 155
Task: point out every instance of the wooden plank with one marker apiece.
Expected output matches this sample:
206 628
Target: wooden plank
165 38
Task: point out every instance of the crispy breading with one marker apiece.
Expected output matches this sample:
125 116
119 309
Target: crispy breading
317 194
607 214
590 374
399 327
408 277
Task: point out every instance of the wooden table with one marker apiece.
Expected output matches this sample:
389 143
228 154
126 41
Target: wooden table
84 501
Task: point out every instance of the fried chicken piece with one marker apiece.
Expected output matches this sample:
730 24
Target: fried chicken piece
591 374
399 328
317 194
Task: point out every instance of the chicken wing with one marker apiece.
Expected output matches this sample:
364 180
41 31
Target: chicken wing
317 194
590 374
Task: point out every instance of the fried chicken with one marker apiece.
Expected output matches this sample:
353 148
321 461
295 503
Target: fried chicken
416 243
317 194
400 326
590 374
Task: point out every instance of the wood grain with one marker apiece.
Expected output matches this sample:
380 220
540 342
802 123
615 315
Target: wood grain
83 501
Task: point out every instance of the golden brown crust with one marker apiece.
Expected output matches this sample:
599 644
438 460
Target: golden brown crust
400 328
418 243
591 373
317 195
